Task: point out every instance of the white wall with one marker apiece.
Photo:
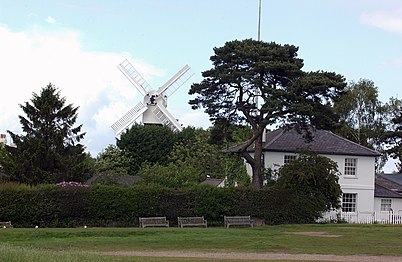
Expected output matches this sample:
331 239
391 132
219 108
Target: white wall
396 204
362 184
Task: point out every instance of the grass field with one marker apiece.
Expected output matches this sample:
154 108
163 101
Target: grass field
79 244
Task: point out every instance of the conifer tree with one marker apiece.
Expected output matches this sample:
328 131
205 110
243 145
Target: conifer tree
262 84
49 150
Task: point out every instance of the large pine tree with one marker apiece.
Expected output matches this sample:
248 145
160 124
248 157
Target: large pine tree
49 150
262 84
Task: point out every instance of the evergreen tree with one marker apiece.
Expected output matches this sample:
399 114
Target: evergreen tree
261 84
49 150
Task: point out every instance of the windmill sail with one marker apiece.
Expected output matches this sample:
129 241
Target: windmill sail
129 118
176 81
134 77
166 118
153 109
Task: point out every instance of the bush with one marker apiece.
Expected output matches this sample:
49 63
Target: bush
72 206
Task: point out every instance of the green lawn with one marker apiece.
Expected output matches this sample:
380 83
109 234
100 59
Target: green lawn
82 243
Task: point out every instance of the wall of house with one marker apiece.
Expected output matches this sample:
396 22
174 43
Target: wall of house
361 184
396 204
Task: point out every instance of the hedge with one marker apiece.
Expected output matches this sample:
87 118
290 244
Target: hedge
54 206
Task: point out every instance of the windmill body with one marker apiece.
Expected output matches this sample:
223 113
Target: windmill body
153 109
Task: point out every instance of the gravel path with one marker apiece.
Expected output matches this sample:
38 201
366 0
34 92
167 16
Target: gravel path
255 256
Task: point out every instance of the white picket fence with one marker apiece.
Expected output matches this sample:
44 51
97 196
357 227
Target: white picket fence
378 217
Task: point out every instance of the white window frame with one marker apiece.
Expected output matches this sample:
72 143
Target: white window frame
349 202
350 167
386 204
288 158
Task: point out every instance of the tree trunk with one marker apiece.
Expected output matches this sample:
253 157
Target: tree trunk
257 165
254 161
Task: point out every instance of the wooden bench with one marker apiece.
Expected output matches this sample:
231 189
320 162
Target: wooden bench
153 222
191 222
6 224
237 221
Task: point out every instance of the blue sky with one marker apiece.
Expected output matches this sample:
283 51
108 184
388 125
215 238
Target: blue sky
77 46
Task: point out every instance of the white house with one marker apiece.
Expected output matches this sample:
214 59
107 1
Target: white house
355 162
388 193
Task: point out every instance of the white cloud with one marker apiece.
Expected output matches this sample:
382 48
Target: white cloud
90 80
390 20
50 20
188 117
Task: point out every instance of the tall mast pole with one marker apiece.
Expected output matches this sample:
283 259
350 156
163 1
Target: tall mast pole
259 39
259 21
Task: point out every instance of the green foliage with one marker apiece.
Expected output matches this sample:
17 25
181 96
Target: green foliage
364 119
394 137
200 155
147 143
359 108
235 170
192 161
315 177
7 164
55 206
225 134
113 161
45 205
172 175
109 205
49 151
248 70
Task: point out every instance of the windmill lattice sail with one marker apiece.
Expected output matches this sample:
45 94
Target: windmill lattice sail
166 119
129 118
153 109
176 81
134 77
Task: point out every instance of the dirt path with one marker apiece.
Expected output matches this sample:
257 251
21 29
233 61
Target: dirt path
255 256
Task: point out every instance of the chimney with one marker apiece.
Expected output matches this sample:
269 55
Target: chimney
3 139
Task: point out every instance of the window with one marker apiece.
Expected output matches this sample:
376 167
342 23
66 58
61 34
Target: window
288 158
350 166
349 202
386 204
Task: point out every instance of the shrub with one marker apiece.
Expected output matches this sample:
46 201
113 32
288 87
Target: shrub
72 206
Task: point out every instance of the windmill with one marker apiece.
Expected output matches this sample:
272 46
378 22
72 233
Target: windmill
153 108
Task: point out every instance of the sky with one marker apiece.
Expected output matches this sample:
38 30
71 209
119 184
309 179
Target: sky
77 45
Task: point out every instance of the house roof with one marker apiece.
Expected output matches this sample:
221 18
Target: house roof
386 188
397 178
212 181
324 142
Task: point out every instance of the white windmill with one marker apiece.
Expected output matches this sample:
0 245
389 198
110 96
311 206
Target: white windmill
153 109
